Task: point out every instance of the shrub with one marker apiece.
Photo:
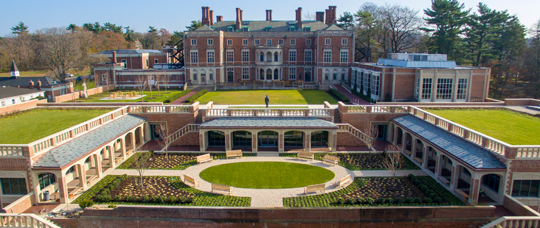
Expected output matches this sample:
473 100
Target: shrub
340 96
112 206
128 198
409 200
156 199
410 176
437 199
399 200
423 187
145 199
429 192
432 195
416 181
163 199
389 200
428 200
176 96
360 200
118 198
370 200
86 203
350 201
107 198
105 191
136 199
172 199
99 198
196 96
362 182
417 200
341 201
381 200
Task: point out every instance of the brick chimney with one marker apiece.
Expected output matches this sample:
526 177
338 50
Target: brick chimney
31 85
299 18
327 18
319 16
333 17
205 20
211 16
114 60
38 84
268 14
219 18
238 18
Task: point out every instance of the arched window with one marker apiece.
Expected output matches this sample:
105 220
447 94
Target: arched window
46 179
70 170
275 56
262 57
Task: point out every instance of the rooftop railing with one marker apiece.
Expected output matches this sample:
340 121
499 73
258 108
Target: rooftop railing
25 220
268 112
160 109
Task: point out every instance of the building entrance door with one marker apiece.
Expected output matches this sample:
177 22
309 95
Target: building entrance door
268 139
230 77
203 79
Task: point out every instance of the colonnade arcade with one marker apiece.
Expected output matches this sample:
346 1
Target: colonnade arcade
481 186
84 172
279 140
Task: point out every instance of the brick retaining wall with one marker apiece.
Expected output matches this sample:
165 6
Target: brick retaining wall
21 106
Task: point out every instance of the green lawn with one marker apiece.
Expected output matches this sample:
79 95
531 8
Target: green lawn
30 126
241 107
277 97
266 175
165 97
508 126
90 84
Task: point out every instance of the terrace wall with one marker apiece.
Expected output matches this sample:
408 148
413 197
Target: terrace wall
21 106
175 121
518 208
290 217
347 139
189 139
20 205
78 94
521 101
116 104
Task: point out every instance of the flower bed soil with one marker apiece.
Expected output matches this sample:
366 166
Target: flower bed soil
373 161
152 186
175 161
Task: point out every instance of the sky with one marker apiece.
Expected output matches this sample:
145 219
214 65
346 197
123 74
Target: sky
174 15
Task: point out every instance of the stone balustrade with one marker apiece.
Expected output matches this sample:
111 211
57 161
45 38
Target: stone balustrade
25 220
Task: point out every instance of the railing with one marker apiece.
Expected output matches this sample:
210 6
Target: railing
269 112
494 145
376 109
15 150
160 109
177 134
514 221
25 220
354 131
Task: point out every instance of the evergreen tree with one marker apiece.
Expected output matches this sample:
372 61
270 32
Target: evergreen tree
346 21
482 32
20 28
194 25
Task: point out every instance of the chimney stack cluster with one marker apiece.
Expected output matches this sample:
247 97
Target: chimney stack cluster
211 17
207 16
238 18
219 18
319 16
268 15
299 18
114 60
330 15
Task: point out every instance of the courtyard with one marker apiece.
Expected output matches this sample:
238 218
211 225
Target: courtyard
508 126
277 97
154 96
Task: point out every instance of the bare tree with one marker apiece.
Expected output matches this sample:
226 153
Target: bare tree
141 165
373 132
165 80
401 24
141 84
393 163
60 51
157 82
164 140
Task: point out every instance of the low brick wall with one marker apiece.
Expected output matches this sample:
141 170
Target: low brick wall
347 139
521 101
20 205
78 94
67 97
100 104
21 106
132 216
487 103
189 139
518 208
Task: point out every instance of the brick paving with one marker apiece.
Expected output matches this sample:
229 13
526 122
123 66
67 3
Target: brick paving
353 98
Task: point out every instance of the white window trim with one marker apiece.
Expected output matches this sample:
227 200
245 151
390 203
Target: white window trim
293 77
306 55
327 41
227 55
231 42
242 53
245 42
341 56
327 50
213 58
293 42
210 42
257 42
308 41
193 42
344 41
295 55
191 56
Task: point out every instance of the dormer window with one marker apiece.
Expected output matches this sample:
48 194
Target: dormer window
292 29
268 28
307 29
245 29
230 29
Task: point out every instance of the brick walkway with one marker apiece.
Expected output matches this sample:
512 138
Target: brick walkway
181 100
354 99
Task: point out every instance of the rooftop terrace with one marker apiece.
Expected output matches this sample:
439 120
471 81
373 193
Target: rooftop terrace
28 126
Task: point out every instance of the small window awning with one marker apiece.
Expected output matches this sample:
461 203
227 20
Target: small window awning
268 123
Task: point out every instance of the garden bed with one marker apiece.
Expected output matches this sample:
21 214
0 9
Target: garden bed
175 161
156 190
374 191
361 161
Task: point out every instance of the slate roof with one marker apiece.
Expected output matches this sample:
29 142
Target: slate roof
75 149
277 26
25 81
6 92
130 51
475 156
268 122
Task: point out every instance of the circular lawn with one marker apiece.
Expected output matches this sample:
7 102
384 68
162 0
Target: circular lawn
266 175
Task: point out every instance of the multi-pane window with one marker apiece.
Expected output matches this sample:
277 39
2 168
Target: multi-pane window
492 181
280 41
242 138
257 42
344 56
245 42
210 56
375 84
335 76
426 88
46 179
245 73
307 56
194 57
526 188
292 55
367 81
327 56
444 88
229 42
216 138
13 186
194 76
211 76
462 89
230 56
245 56
344 41
308 42
292 73
268 42
193 42
210 42
293 41
327 41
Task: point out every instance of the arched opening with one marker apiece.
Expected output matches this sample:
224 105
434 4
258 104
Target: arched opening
241 140
262 57
268 74
276 74
138 138
267 140
268 57
446 170
307 76
294 140
276 58
261 75
216 139
490 188
399 137
431 156
408 144
464 179
319 139
47 185
419 151
130 147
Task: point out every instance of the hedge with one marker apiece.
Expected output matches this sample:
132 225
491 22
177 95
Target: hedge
176 96
340 96
196 96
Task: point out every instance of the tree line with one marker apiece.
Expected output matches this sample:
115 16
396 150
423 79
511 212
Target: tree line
482 37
